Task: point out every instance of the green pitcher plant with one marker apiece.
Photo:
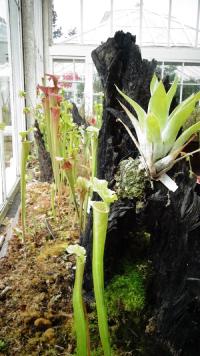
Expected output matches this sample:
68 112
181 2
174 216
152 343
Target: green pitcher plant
80 320
157 132
25 149
93 133
100 223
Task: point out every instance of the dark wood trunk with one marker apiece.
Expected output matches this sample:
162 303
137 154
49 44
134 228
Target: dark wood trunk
46 172
172 219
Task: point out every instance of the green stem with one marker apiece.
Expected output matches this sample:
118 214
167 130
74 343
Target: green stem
85 208
80 322
100 223
24 156
70 178
94 143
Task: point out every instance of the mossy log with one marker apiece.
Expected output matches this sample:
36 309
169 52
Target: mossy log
172 219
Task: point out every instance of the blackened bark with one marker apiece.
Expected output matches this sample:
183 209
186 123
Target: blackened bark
118 62
173 219
46 172
77 118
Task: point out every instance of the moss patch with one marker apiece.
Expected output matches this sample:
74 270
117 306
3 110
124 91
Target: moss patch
125 293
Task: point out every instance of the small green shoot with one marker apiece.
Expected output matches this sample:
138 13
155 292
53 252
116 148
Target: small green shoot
80 321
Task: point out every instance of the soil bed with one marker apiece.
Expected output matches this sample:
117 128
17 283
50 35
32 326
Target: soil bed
36 280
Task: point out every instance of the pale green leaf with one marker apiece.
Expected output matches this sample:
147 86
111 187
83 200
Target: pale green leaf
153 129
178 119
154 83
171 92
158 105
134 122
182 105
185 136
141 114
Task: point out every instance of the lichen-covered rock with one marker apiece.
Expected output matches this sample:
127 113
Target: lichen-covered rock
131 179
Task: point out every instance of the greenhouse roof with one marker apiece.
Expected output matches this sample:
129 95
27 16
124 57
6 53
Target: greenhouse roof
157 28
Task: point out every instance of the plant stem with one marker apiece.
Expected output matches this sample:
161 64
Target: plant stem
80 322
100 223
24 156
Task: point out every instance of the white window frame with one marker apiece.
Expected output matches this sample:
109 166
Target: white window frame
16 83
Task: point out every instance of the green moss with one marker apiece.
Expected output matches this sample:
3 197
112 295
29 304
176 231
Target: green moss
131 179
3 345
126 293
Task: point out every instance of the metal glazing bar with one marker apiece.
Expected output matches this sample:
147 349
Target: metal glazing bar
81 21
111 18
2 166
169 22
197 25
141 19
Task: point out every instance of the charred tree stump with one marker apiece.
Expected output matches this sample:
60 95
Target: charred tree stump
118 61
46 172
172 219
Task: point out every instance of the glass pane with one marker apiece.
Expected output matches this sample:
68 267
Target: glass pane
98 34
189 89
5 114
3 34
126 16
156 7
191 74
9 163
185 11
180 37
66 20
80 70
72 77
155 22
96 20
154 36
79 90
4 68
63 67
183 22
97 86
173 70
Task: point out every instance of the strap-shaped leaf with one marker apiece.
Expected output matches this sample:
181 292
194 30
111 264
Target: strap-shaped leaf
136 144
153 129
134 122
158 105
182 105
179 118
141 114
171 92
184 137
154 83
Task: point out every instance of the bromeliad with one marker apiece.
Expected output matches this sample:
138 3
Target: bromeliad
157 131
